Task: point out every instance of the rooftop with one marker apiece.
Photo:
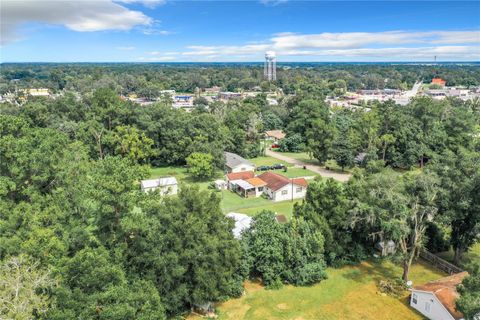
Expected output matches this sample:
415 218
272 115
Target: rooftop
277 134
233 160
445 290
276 181
240 175
159 182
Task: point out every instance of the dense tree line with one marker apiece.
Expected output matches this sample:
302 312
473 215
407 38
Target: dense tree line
148 80
85 242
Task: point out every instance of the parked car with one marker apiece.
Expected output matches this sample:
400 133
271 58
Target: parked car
278 166
263 168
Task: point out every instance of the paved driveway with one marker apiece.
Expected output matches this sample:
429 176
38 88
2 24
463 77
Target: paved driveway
321 171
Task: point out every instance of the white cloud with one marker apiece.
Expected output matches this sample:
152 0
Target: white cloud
373 45
79 15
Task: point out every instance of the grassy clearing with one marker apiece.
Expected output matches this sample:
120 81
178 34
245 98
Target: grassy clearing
348 293
294 172
472 255
284 207
267 161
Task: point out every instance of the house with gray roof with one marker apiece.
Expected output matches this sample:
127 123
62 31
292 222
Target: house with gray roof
235 163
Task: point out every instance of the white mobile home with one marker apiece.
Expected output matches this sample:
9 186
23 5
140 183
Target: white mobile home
166 185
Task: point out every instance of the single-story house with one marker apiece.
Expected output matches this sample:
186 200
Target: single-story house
166 185
235 163
252 187
281 188
242 222
436 299
276 135
238 176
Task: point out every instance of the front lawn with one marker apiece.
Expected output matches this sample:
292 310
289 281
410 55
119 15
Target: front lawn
267 161
293 172
348 293
283 207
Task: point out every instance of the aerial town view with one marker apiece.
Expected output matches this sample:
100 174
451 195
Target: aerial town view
239 160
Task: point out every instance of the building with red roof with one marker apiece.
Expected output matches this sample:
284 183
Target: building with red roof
280 188
436 299
439 81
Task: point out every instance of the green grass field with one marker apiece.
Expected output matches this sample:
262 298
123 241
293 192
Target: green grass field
267 161
348 293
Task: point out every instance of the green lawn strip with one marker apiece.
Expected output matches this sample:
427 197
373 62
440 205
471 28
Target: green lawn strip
293 172
349 293
268 161
284 207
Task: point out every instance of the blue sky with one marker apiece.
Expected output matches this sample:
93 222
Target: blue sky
163 30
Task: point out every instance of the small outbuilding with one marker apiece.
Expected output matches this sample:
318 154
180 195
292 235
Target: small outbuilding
386 247
220 184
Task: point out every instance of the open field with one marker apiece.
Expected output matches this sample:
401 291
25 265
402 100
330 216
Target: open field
267 161
283 207
348 293
468 257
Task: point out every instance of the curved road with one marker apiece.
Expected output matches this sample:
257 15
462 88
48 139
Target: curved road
321 171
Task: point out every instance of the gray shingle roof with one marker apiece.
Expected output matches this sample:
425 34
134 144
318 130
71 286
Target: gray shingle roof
233 160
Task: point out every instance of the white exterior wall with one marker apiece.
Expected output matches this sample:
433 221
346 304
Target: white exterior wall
279 196
172 189
427 300
242 168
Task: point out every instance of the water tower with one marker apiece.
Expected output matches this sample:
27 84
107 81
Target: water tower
270 68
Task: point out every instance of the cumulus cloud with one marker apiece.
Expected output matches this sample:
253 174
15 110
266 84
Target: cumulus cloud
79 15
401 45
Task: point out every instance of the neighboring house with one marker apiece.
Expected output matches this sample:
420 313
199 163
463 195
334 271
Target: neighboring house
252 187
439 81
281 188
166 185
242 222
436 299
235 163
276 135
238 176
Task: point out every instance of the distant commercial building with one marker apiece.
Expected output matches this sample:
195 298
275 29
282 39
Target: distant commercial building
230 95
182 101
41 92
